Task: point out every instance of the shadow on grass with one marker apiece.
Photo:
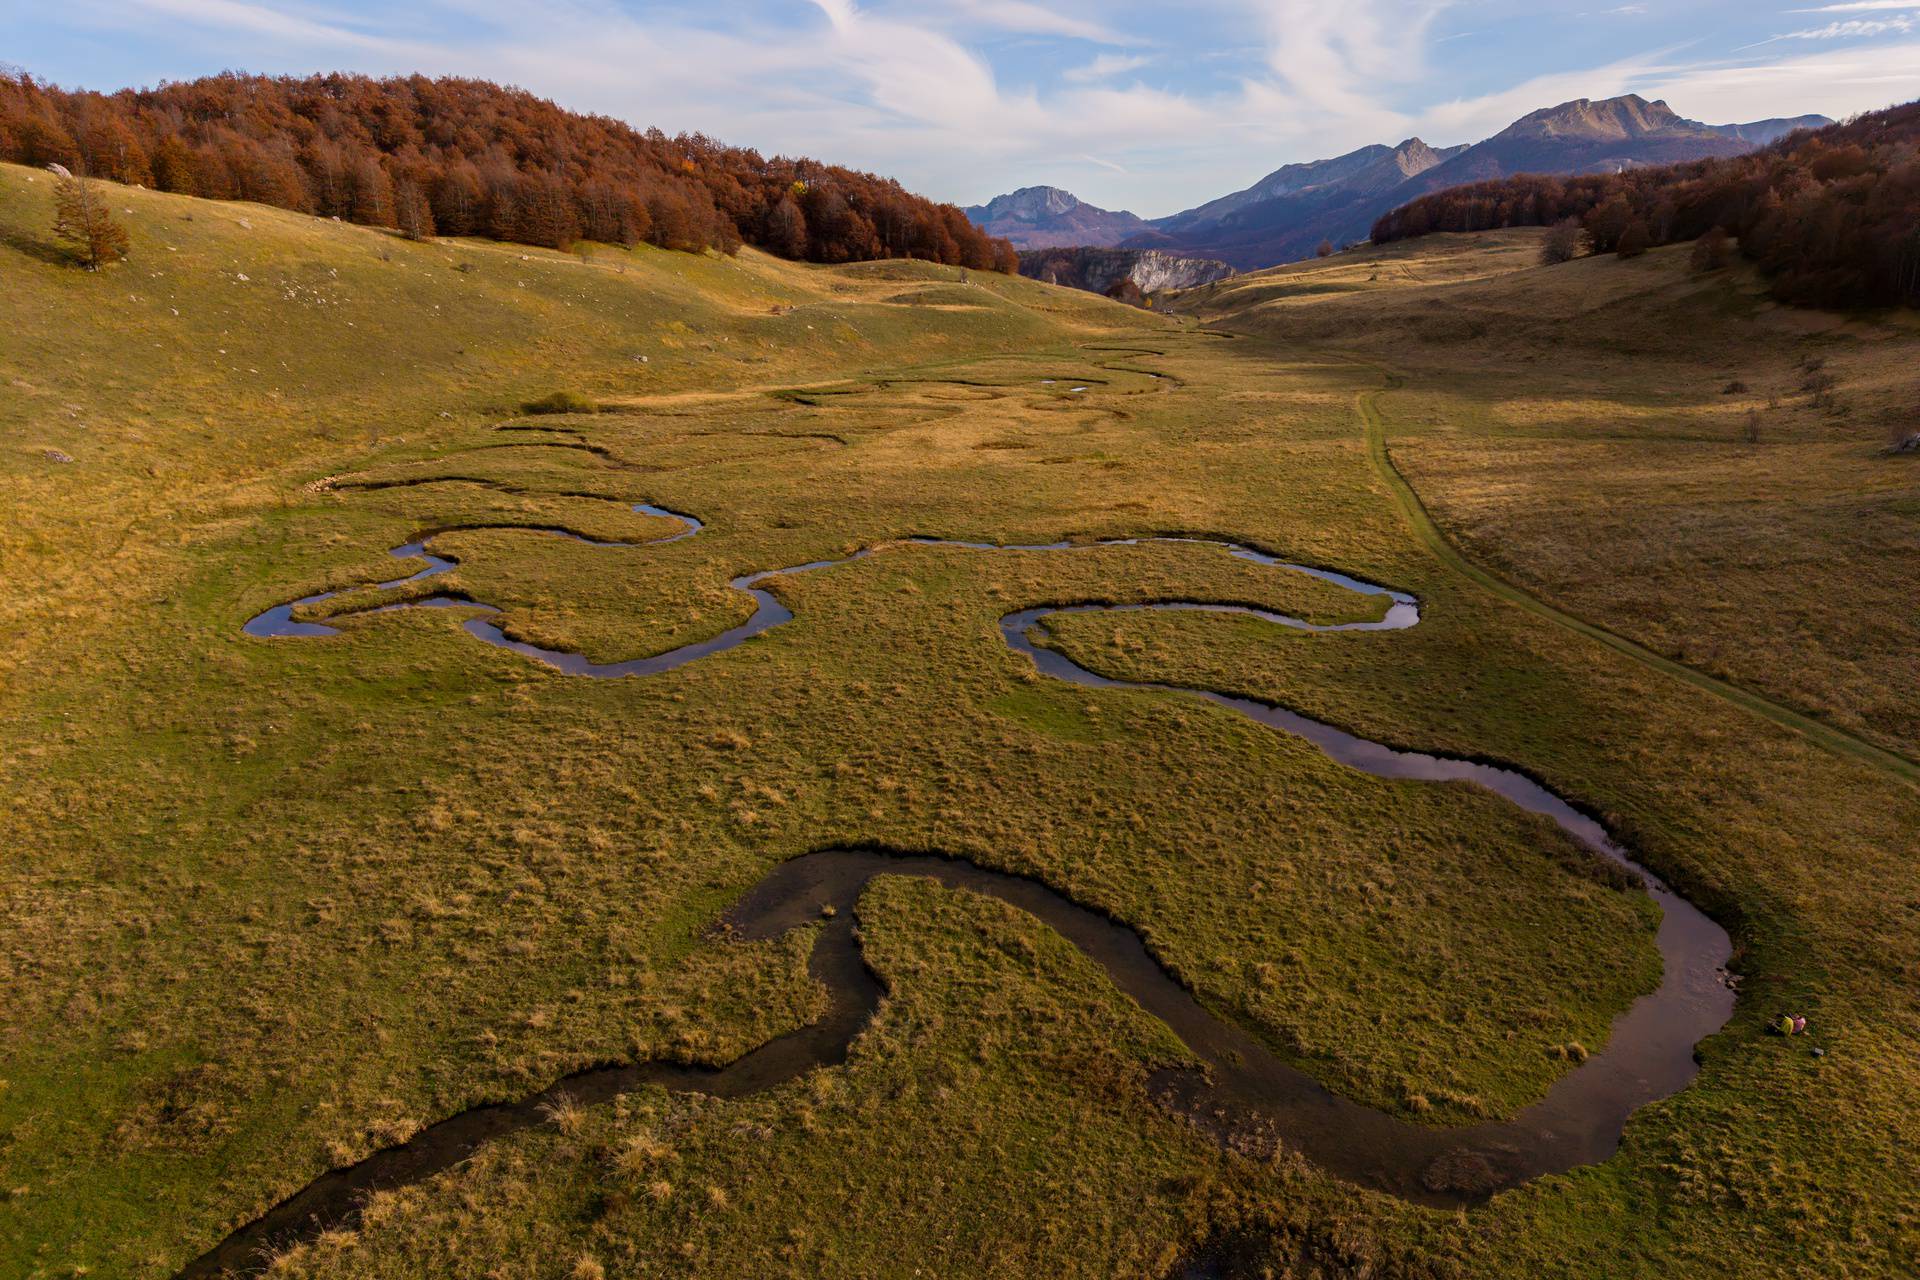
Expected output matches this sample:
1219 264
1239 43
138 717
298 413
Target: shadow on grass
32 247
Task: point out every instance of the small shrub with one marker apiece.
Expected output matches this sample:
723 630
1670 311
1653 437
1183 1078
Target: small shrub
1635 240
565 1114
1710 251
561 402
1822 388
1751 431
1734 388
1565 242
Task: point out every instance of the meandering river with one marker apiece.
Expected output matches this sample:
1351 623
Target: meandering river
1244 1084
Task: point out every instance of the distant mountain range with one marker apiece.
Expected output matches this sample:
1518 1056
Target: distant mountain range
1287 214
1047 217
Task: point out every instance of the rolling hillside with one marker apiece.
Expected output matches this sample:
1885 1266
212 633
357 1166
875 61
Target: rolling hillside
277 903
1659 450
1832 216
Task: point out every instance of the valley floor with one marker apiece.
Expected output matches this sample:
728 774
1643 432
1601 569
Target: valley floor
269 905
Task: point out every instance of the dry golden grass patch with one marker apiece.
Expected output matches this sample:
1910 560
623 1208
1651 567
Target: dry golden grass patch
1666 455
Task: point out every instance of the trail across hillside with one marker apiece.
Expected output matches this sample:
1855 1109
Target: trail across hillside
1828 736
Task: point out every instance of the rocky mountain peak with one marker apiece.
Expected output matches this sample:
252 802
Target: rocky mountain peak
1628 116
1030 203
1414 156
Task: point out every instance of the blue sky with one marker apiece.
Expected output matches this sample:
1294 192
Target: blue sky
1148 106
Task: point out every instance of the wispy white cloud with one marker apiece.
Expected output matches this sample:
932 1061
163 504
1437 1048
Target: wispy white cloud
267 20
1470 119
1849 29
1021 16
1836 82
1105 67
958 98
1341 63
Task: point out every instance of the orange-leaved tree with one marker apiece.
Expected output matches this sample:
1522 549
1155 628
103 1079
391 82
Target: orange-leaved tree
83 222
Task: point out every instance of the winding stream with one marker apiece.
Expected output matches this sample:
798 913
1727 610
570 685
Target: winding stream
1244 1085
279 621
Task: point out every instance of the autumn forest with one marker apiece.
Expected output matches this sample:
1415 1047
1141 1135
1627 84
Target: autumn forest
1827 215
464 157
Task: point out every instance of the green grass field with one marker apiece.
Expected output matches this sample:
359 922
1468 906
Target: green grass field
269 905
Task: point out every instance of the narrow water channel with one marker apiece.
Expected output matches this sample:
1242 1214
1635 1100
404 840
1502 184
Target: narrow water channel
1649 1054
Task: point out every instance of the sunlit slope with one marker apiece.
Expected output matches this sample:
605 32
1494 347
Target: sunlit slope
241 343
1661 452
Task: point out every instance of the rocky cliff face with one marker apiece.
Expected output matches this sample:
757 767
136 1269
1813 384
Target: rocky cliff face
1127 274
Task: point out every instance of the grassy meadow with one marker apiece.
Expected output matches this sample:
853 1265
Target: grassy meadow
267 906
1669 455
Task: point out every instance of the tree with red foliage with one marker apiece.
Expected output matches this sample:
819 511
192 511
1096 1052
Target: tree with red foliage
411 212
458 200
1831 216
173 165
369 192
1564 243
1606 224
1635 240
82 221
1710 251
786 229
485 160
